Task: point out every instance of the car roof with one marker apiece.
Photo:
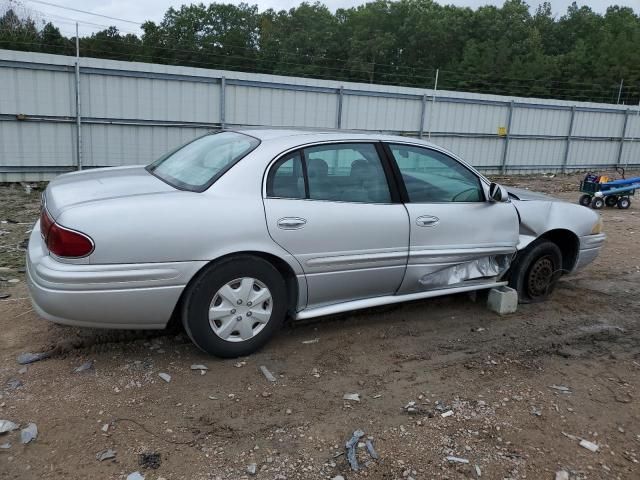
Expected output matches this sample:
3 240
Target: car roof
293 137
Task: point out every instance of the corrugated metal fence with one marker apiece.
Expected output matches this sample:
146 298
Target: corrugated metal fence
131 113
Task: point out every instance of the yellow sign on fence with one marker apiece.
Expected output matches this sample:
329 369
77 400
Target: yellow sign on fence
502 131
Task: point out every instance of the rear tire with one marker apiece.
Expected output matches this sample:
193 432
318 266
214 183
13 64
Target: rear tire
611 201
585 200
535 271
218 314
624 203
597 203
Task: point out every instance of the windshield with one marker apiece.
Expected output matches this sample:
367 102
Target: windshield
201 162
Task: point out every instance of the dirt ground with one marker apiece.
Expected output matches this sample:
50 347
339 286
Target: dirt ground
496 374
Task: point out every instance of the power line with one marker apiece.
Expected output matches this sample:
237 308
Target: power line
84 11
281 54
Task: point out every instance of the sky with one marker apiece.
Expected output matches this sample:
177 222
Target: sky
142 10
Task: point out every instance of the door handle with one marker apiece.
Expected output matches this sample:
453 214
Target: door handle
427 221
291 223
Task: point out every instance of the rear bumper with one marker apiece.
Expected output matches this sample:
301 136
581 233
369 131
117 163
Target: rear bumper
123 296
590 246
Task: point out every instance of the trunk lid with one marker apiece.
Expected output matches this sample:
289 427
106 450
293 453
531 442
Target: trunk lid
101 184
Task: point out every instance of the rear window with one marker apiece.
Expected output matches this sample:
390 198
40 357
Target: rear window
199 163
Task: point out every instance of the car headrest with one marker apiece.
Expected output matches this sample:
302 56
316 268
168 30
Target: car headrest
317 167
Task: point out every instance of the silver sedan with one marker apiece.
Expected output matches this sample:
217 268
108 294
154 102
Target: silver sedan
238 230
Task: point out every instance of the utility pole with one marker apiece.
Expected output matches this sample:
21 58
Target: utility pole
433 101
620 90
78 120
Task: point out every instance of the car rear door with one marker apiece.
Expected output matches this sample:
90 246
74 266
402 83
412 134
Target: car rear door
457 237
331 206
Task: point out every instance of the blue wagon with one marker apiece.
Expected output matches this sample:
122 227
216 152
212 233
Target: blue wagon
598 191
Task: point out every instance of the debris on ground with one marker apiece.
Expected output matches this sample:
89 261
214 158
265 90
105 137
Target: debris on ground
453 459
240 364
562 475
5 446
478 471
338 477
251 468
22 370
589 445
350 446
411 408
149 460
105 427
165 376
29 433
201 368
371 450
309 342
105 455
26 358
561 388
4 295
14 383
7 426
267 374
446 414
135 476
352 397
85 367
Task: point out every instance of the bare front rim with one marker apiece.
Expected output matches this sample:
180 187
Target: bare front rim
240 309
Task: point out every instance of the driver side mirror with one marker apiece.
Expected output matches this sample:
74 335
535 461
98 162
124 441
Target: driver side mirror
497 193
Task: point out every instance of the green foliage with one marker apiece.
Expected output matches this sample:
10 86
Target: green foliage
507 50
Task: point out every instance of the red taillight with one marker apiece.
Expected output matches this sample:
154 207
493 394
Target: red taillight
68 243
64 242
45 224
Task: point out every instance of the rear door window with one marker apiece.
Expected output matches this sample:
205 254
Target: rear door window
346 173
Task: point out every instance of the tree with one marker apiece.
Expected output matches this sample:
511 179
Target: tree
509 49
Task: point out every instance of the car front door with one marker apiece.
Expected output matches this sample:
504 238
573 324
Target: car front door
331 207
457 237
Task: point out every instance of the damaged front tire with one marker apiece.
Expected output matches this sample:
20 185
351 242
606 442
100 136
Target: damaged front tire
535 271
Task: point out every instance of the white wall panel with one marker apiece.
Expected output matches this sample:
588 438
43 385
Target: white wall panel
584 152
536 121
107 96
633 125
596 124
37 92
279 108
379 113
465 117
37 143
479 152
127 145
545 153
630 152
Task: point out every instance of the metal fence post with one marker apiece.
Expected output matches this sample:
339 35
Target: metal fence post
340 98
433 102
624 133
422 115
505 150
78 119
223 101
565 160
